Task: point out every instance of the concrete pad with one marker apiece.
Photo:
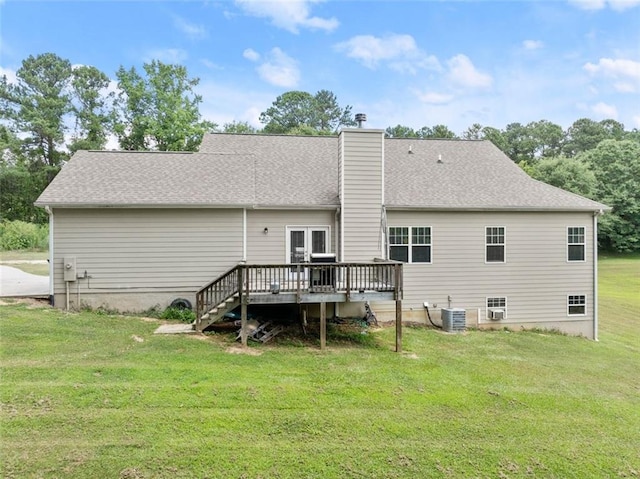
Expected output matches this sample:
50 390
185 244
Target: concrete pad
175 329
16 283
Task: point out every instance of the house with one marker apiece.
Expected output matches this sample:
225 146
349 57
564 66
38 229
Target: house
470 230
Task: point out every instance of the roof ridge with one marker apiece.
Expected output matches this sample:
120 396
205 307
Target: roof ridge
142 151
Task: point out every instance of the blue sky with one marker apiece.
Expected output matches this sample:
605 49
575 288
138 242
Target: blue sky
415 63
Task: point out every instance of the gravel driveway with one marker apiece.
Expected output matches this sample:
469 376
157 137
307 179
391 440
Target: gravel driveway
16 283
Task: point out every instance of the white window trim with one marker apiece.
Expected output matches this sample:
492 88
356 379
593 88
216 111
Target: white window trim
410 244
584 245
585 305
504 245
487 308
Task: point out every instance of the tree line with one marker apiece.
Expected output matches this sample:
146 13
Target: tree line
53 109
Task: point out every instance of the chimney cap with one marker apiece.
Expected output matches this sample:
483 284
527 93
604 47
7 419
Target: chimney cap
361 118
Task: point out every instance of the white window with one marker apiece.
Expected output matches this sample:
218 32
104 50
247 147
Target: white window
410 244
495 244
575 243
496 308
576 305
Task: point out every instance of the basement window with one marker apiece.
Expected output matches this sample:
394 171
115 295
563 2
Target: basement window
496 308
576 305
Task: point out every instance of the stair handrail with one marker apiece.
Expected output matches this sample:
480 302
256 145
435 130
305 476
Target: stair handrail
215 299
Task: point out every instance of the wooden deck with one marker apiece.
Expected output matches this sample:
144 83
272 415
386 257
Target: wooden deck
302 283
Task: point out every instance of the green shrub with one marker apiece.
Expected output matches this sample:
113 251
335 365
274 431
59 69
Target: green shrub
180 314
17 235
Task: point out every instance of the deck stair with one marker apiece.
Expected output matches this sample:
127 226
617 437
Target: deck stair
218 312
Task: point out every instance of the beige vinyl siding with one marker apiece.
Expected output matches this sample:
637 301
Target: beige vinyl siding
536 277
146 250
361 165
270 248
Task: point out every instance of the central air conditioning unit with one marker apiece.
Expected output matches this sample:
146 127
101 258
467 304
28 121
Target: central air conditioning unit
496 314
453 320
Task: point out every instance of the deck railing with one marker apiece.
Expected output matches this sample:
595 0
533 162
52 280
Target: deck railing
301 278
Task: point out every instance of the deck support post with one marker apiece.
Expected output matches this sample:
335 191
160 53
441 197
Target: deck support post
323 325
243 306
398 326
243 323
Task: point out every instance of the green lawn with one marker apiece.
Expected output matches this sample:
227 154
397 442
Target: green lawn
23 255
95 396
15 258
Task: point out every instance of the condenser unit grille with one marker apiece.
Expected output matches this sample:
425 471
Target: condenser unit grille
453 319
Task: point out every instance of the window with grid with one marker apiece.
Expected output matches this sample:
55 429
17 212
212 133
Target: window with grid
410 248
495 244
575 243
421 244
576 305
497 303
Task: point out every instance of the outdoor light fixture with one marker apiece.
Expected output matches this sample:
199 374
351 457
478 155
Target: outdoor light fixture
265 231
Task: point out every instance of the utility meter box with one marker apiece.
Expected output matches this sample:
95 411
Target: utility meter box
69 268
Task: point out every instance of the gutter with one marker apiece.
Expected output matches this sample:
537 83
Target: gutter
186 206
495 209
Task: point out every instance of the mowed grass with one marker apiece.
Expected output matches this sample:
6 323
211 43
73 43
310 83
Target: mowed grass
20 259
87 395
23 255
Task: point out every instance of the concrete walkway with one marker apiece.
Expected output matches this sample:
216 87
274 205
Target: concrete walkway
17 283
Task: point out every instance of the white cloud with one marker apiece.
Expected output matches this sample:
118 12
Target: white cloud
400 51
636 121
10 74
588 4
289 15
227 103
617 5
605 111
279 69
193 31
434 98
251 54
532 44
627 72
463 73
210 65
167 55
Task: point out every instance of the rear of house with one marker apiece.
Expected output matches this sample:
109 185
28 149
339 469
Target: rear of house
134 230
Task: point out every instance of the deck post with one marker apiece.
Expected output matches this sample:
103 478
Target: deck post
243 306
323 325
243 322
398 326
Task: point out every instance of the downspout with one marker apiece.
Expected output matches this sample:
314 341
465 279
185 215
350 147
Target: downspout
51 269
383 212
244 235
341 188
336 225
595 274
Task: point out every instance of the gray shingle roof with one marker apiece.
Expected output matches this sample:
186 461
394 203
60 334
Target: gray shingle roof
293 171
459 174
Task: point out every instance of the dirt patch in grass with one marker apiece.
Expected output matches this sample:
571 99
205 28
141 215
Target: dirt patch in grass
243 350
30 302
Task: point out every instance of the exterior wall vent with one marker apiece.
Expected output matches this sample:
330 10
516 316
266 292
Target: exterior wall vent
453 320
